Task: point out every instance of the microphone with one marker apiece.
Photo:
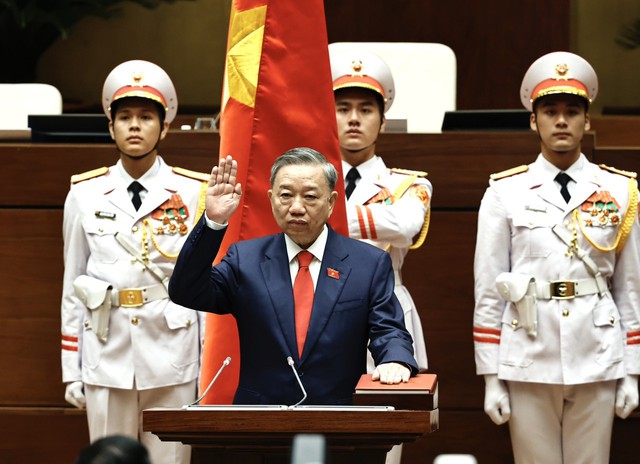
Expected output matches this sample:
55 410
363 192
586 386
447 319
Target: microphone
304 392
225 363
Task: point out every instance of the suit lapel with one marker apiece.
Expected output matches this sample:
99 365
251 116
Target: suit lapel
549 191
363 192
583 189
118 196
334 273
276 275
545 187
159 190
551 194
586 186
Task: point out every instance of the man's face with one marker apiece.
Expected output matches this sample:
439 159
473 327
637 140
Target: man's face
136 127
359 123
301 202
560 121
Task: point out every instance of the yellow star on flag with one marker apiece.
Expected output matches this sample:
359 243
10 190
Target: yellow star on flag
243 56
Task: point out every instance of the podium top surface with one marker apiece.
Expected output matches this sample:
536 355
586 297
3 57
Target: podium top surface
282 407
287 422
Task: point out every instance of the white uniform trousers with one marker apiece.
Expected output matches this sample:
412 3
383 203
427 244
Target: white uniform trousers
394 456
117 411
561 424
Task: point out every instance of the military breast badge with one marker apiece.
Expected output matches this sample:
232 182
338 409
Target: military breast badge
172 214
602 210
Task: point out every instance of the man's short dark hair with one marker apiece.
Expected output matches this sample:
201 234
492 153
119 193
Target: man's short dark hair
305 155
114 449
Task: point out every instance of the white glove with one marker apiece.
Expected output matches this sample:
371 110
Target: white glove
391 373
496 399
74 394
626 396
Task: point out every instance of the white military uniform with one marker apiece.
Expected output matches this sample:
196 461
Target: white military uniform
589 339
150 346
377 212
391 224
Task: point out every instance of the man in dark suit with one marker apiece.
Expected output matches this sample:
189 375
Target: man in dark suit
353 299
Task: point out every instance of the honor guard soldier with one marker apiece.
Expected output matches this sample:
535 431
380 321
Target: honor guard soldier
557 318
125 345
388 208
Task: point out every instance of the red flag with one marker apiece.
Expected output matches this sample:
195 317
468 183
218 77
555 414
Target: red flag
277 95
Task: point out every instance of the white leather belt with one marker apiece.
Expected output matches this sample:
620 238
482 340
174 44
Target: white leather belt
135 297
566 289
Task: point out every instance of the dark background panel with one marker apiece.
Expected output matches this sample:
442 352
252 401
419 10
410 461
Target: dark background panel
494 41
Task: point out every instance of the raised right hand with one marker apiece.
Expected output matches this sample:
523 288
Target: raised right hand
223 191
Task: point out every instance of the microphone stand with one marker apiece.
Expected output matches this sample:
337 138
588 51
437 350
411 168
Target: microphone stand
290 362
225 363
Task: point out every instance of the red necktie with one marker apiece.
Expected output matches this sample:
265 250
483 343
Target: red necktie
303 298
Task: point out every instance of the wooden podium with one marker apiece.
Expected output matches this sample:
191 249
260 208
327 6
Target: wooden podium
264 435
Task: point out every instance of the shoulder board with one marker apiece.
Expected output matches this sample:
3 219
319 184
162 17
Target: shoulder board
509 172
192 174
89 175
408 172
631 174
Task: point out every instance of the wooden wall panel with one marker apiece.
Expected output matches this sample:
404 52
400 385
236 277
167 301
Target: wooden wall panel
459 163
622 158
616 131
40 173
439 275
463 432
31 273
42 435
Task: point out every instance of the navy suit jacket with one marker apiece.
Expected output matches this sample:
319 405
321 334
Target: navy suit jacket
354 302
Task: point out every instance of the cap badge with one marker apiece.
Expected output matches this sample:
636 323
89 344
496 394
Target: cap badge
137 77
562 71
356 65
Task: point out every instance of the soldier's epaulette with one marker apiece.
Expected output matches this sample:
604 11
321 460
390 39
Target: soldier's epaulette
192 174
630 174
409 172
89 175
509 172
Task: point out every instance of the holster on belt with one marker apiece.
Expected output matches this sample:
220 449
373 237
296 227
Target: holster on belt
520 289
96 296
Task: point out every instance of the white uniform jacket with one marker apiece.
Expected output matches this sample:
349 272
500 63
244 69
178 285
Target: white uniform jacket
376 218
589 338
156 344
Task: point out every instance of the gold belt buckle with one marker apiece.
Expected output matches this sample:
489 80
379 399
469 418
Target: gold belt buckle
131 298
562 290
